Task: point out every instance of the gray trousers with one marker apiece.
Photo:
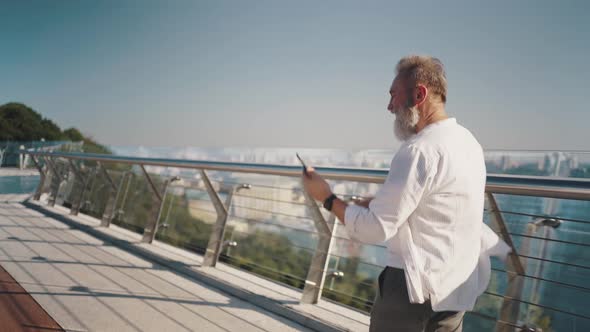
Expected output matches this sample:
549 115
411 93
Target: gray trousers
393 311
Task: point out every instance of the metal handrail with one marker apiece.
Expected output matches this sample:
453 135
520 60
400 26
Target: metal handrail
550 187
546 187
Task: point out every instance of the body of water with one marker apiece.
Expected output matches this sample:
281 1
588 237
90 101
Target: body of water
18 184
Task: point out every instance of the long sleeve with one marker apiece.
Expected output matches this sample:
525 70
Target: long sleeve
408 178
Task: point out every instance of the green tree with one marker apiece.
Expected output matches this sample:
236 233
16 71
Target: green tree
19 122
91 146
73 135
51 132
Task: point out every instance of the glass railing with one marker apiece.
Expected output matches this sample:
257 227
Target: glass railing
10 156
256 217
574 164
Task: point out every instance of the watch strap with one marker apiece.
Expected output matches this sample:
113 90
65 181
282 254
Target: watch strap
329 202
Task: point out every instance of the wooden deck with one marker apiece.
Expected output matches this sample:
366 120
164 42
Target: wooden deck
18 309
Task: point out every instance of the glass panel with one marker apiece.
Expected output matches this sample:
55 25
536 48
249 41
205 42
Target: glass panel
134 207
540 163
556 287
187 218
268 220
66 181
9 156
360 263
99 192
267 250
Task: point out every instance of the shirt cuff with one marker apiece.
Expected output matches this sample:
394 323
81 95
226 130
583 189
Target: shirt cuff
350 219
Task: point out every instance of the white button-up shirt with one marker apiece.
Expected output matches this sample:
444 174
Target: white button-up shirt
429 213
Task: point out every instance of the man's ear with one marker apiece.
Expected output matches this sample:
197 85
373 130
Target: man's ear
421 93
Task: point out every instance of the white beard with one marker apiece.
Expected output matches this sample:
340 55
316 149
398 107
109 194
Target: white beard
405 122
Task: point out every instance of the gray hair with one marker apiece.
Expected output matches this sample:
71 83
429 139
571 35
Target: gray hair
427 70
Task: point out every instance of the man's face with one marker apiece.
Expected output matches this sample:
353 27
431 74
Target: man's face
406 113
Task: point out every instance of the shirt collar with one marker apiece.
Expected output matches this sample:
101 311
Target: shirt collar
439 124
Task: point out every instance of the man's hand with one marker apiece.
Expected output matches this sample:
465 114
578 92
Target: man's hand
364 202
319 190
316 186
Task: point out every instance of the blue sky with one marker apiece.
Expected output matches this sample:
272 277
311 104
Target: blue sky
295 74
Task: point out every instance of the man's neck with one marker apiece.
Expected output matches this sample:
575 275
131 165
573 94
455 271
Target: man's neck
431 113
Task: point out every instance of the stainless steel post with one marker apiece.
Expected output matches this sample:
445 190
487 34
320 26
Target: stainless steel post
316 275
115 193
158 200
55 182
214 245
83 181
42 175
510 309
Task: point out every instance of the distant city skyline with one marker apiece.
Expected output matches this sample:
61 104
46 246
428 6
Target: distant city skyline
306 74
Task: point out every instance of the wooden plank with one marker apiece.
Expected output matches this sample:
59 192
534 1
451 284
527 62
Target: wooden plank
19 311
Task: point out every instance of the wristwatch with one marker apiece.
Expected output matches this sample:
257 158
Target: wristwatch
329 201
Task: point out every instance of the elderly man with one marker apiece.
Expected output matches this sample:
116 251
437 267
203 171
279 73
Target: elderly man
428 212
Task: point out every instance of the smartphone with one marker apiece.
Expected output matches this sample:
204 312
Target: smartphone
302 164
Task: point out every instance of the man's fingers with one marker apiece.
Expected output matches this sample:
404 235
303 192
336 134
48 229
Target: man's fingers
307 176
